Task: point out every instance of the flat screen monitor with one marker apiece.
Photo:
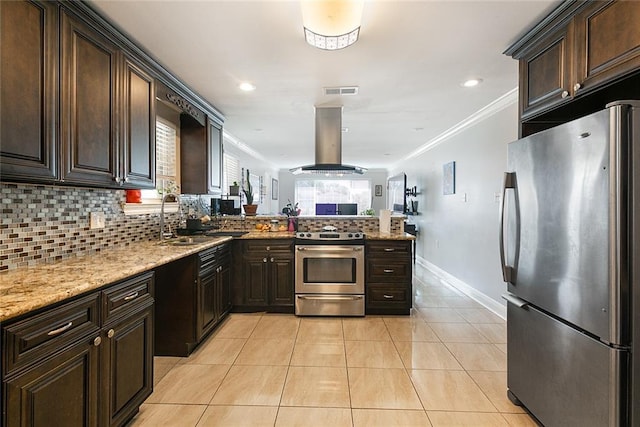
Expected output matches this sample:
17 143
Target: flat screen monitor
347 209
326 209
396 193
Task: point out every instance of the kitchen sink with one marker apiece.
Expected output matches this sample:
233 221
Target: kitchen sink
186 240
226 233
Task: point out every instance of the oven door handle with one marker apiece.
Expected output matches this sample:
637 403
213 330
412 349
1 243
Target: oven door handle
329 248
328 298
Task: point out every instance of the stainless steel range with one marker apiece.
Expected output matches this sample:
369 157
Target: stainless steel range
329 269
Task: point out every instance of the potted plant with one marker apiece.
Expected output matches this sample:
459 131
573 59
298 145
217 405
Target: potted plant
249 208
234 190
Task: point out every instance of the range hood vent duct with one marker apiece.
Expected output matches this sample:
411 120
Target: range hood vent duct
328 146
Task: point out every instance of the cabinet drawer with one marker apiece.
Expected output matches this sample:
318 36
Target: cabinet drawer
389 248
386 297
120 298
385 271
262 246
43 335
207 258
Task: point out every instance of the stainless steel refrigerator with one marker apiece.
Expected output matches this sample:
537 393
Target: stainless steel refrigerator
570 250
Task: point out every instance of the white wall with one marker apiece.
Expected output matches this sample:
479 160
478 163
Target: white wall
461 237
257 166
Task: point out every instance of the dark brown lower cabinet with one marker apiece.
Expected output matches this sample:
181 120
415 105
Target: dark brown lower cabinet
192 298
77 365
127 378
61 391
263 278
388 273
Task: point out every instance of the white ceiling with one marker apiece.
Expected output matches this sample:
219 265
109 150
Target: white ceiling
408 64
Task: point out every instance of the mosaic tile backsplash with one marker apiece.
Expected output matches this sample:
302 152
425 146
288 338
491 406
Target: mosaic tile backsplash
45 223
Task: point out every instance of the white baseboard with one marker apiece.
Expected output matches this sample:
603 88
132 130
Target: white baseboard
466 289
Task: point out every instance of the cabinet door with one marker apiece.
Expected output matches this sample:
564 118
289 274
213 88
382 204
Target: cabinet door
545 74
214 168
138 127
224 291
88 110
128 367
607 42
255 277
281 283
207 314
29 63
62 391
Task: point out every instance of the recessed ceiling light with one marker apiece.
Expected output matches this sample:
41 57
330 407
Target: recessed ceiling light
472 82
247 87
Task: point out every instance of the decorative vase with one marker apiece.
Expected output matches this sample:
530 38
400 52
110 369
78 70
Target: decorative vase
250 210
293 224
134 196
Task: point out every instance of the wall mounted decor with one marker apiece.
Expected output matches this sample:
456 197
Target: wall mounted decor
274 189
378 190
449 178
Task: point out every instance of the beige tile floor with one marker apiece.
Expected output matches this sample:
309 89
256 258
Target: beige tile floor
444 365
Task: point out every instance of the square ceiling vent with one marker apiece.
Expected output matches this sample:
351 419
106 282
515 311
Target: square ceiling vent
341 91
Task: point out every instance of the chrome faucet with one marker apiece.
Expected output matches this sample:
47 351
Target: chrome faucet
164 197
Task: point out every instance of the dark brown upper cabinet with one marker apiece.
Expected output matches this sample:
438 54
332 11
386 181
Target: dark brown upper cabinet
579 49
545 73
137 139
103 91
607 42
29 64
200 156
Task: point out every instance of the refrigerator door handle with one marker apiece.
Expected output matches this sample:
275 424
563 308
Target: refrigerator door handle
508 272
512 299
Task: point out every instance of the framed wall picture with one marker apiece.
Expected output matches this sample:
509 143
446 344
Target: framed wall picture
274 189
449 178
378 190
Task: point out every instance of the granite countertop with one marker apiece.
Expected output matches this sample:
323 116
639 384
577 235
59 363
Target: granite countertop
389 236
27 289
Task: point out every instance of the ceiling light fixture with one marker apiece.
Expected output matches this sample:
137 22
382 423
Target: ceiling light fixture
246 87
331 24
472 82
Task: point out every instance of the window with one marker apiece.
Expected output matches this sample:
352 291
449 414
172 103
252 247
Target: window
230 171
167 176
308 192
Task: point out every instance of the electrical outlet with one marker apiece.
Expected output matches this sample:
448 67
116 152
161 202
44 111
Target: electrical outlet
497 196
463 197
437 243
96 220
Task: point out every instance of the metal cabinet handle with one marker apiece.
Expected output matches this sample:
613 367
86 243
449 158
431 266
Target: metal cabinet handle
264 260
577 87
97 341
387 296
565 93
268 248
60 330
271 259
131 296
388 270
126 179
389 249
111 333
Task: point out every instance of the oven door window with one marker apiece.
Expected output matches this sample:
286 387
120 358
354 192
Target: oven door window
330 270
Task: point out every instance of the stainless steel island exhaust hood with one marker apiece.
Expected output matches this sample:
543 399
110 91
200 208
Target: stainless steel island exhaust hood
328 146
